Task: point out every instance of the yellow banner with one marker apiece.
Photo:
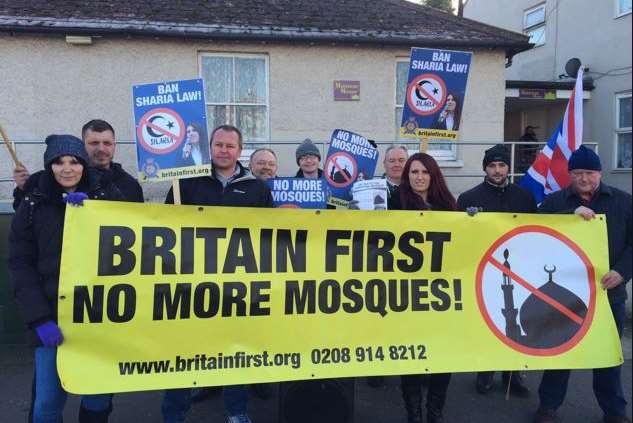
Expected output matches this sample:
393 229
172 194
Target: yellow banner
156 296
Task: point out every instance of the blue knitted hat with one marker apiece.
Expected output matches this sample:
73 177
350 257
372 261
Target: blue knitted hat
584 158
64 145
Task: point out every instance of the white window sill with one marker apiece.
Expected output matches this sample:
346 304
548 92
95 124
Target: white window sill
450 163
622 170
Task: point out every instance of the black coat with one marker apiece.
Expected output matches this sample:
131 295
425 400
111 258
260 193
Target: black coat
616 205
35 244
491 198
244 191
129 187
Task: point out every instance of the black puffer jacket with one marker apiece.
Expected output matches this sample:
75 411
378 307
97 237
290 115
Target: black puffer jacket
35 244
243 191
491 198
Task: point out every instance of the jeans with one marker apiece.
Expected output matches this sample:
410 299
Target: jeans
607 383
177 402
50 397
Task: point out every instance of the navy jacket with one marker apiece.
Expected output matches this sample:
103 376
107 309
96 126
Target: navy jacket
35 244
244 191
616 205
491 198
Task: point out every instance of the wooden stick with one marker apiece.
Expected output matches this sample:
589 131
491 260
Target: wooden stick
176 190
9 146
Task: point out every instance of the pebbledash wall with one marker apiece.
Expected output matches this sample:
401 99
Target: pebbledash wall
49 86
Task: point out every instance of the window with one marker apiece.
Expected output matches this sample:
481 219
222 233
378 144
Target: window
623 131
534 24
624 7
236 92
439 151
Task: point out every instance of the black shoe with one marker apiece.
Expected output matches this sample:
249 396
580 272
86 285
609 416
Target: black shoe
517 384
88 416
484 382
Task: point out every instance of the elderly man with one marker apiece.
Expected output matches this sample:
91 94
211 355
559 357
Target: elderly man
395 158
263 164
586 197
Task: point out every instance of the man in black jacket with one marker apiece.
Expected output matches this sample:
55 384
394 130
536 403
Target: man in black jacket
497 194
99 140
231 185
586 197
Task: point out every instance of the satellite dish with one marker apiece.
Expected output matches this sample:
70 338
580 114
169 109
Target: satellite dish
572 67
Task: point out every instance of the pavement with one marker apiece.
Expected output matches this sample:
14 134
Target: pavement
372 405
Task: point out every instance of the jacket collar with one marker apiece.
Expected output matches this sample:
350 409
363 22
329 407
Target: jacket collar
603 189
243 174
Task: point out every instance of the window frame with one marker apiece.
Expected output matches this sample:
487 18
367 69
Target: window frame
618 12
234 55
620 130
439 155
527 29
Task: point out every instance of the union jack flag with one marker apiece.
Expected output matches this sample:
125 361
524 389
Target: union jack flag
549 171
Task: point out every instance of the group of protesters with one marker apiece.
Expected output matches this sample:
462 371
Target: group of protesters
78 169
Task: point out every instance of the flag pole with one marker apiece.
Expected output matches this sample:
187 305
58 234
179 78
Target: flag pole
9 146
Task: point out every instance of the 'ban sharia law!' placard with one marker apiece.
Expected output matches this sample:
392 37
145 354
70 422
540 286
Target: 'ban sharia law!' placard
435 93
171 130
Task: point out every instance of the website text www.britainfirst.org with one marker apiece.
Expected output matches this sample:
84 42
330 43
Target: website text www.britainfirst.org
203 362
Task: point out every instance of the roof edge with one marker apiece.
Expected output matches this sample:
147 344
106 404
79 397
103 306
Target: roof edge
231 32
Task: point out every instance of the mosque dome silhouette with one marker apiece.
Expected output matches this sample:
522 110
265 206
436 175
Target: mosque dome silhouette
545 326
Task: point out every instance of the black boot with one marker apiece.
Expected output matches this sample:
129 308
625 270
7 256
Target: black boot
412 395
517 384
484 382
87 416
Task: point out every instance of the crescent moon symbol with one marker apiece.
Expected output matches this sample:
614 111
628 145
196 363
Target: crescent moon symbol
151 131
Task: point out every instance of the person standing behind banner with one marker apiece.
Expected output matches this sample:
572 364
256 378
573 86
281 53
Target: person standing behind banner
395 159
35 249
497 194
449 119
586 197
308 159
232 185
263 164
195 152
423 188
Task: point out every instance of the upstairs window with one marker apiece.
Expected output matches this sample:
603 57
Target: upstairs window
534 21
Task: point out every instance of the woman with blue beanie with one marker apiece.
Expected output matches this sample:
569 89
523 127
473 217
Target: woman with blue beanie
35 245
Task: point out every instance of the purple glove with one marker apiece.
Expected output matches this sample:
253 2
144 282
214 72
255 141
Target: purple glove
50 334
76 198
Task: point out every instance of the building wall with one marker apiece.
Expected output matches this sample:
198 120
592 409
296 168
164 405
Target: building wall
54 87
586 29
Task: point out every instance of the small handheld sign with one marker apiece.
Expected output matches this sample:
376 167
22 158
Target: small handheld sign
171 130
435 94
350 158
298 193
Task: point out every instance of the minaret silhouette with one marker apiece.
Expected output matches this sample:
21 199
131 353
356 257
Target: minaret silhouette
510 312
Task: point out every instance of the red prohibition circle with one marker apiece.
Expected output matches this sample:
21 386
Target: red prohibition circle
331 159
545 352
141 126
414 84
